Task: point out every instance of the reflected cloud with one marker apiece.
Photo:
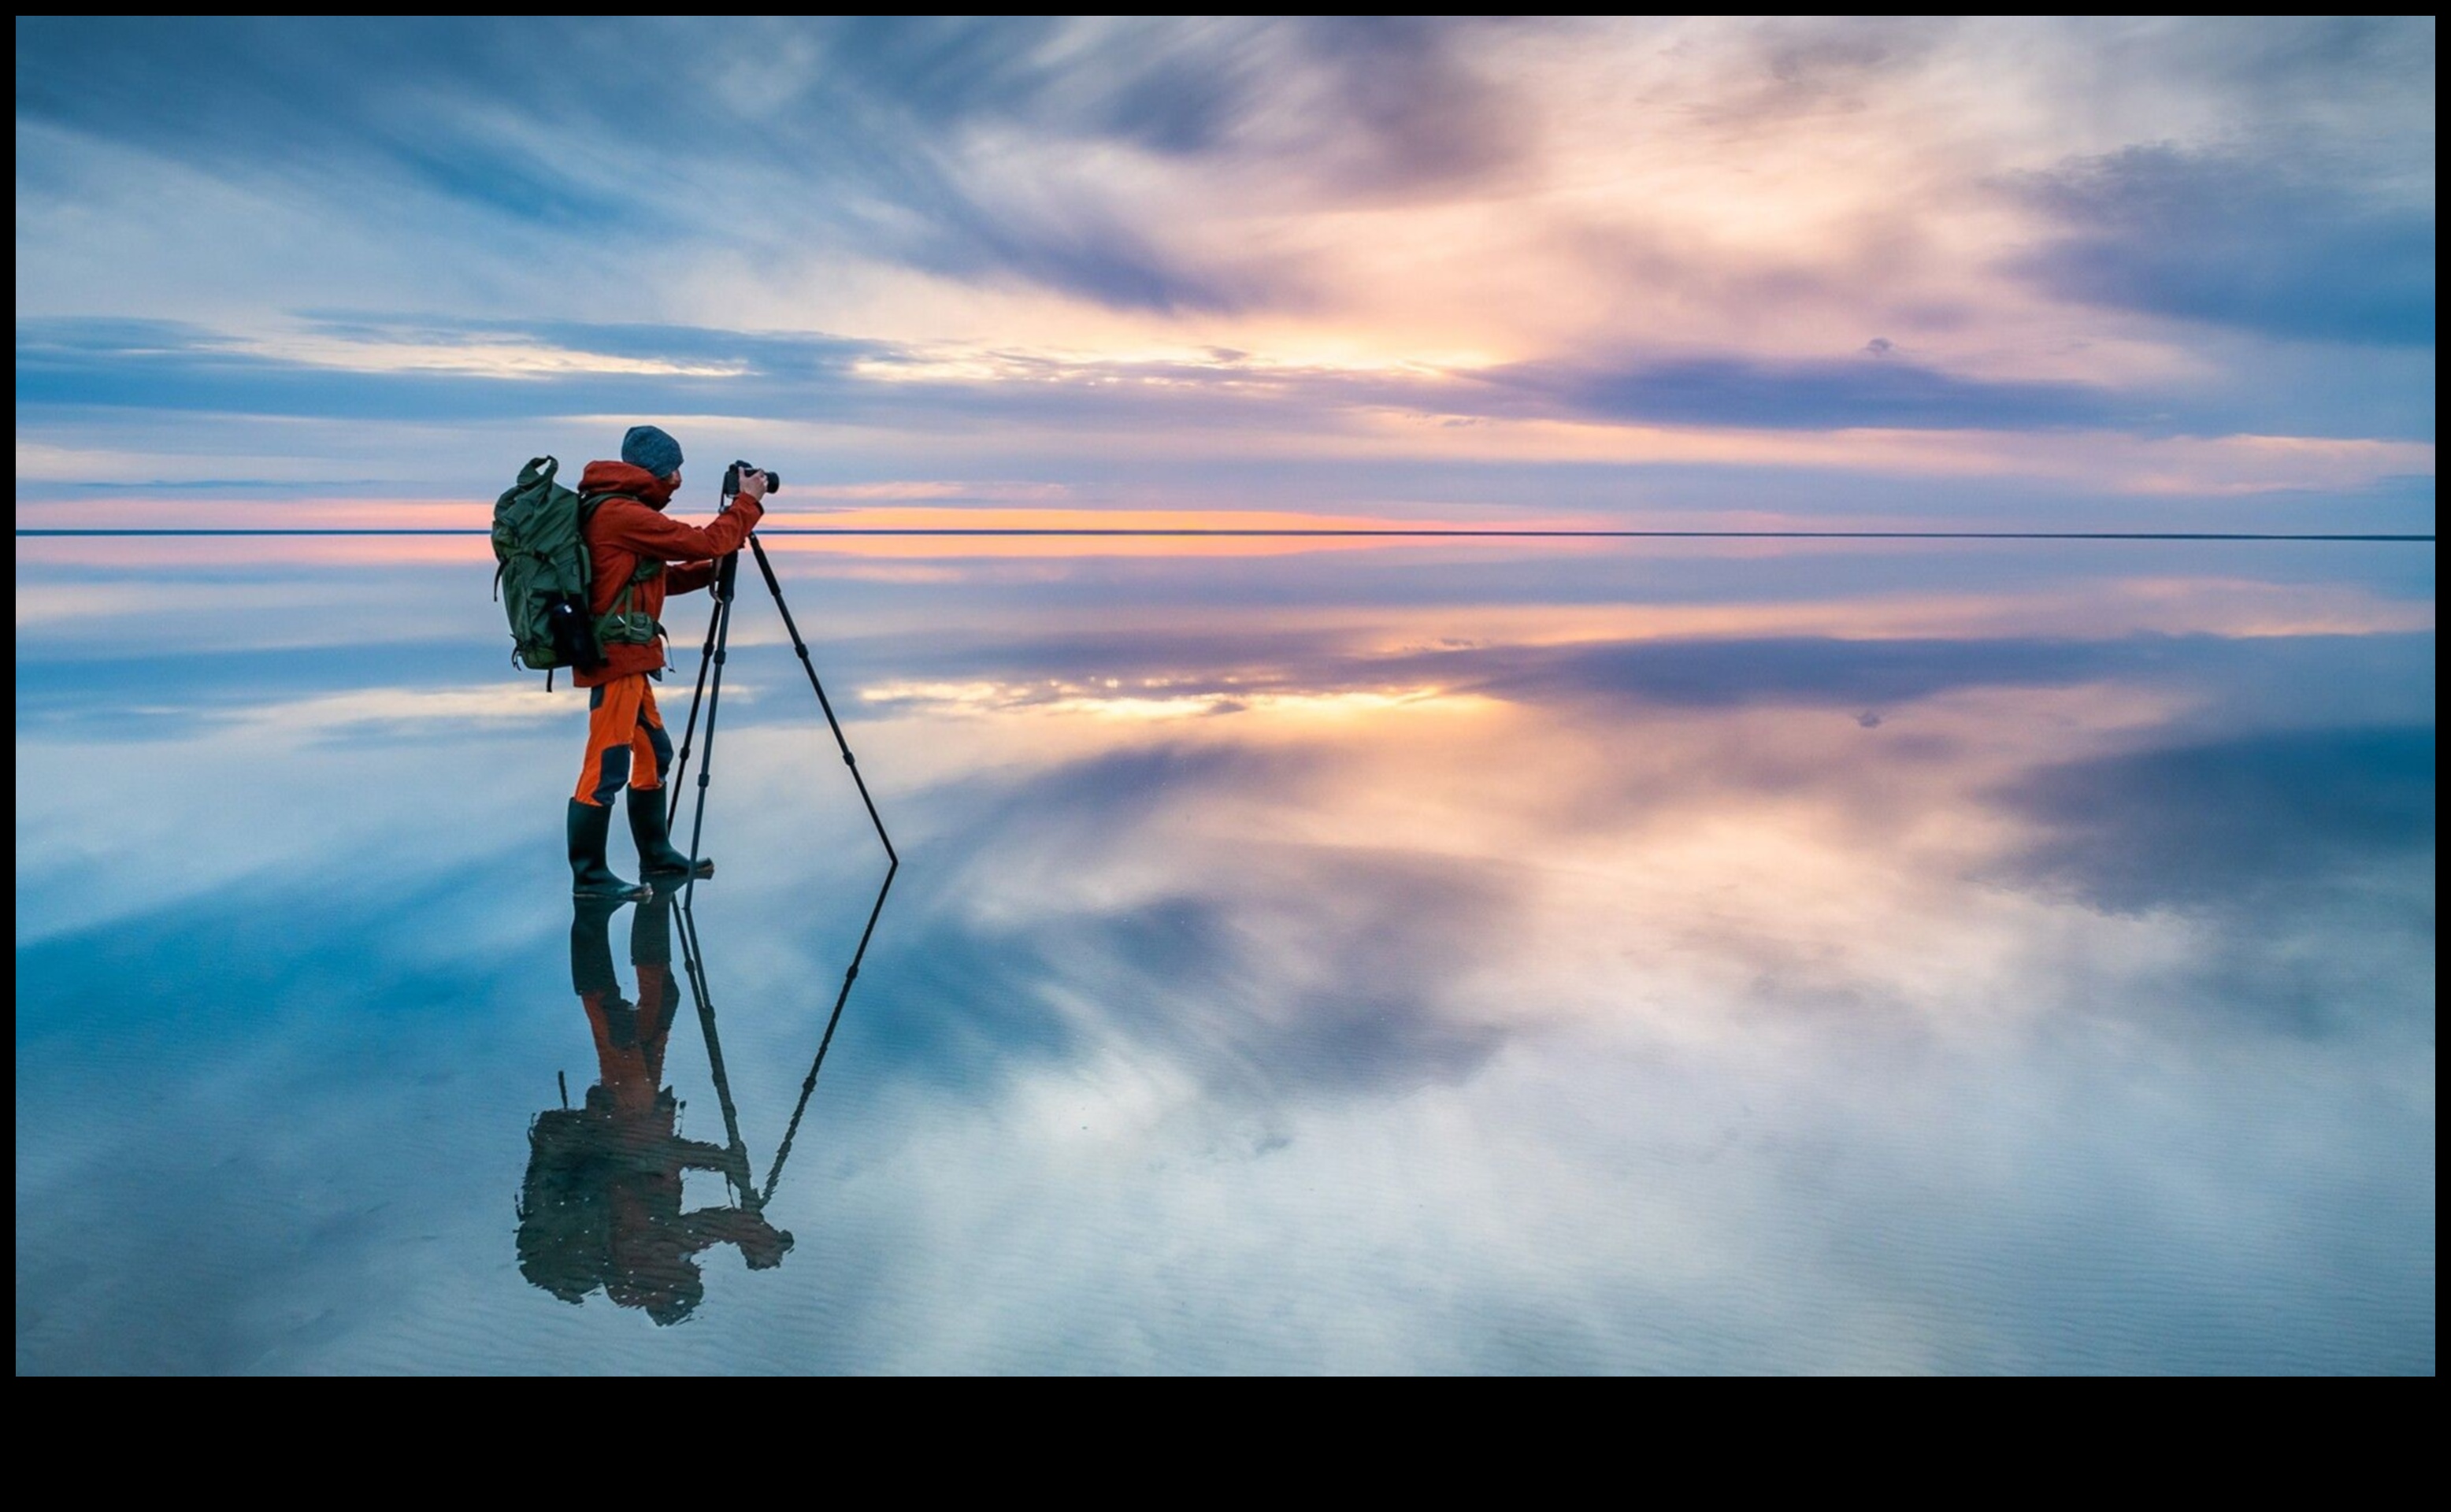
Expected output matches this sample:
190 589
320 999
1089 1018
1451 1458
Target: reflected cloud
1267 973
2230 824
1888 960
1698 818
1153 699
2300 862
1740 671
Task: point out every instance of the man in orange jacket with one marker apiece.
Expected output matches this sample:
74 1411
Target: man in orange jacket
629 544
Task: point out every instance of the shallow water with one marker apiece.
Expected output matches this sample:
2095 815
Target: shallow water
1458 957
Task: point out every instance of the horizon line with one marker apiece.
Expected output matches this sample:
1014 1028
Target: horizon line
1499 533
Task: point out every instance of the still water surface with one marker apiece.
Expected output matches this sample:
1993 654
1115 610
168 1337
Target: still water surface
1395 957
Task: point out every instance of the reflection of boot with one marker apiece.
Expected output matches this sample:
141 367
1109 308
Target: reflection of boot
589 827
657 857
591 948
651 928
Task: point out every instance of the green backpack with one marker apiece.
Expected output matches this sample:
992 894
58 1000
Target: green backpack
544 576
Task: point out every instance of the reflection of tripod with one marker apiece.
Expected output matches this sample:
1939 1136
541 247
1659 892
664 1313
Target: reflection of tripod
710 692
735 1168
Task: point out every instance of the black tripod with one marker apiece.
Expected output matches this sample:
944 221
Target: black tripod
709 693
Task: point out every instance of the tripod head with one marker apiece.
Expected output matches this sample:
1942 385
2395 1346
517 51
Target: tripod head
730 570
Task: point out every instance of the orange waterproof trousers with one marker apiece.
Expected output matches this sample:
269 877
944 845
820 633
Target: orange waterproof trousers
626 743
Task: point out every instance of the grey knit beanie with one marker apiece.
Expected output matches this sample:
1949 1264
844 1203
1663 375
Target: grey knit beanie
648 446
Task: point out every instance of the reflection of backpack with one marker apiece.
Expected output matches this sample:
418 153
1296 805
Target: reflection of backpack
544 576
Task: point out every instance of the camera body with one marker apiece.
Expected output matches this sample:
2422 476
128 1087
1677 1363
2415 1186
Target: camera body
731 478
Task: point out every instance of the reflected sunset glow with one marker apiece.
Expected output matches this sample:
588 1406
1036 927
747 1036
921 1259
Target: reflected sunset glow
1630 939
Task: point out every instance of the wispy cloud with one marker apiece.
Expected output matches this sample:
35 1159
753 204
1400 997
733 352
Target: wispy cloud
1841 394
1413 240
2273 247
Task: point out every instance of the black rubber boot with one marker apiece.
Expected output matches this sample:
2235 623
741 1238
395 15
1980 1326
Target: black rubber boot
657 857
590 827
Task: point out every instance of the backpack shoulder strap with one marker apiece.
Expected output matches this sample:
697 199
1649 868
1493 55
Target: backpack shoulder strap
648 567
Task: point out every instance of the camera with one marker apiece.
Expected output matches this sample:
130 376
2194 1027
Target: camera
731 478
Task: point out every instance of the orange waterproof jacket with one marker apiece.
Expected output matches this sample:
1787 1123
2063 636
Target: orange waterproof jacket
631 528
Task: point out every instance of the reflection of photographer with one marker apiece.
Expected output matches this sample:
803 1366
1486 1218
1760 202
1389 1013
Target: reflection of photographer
601 1202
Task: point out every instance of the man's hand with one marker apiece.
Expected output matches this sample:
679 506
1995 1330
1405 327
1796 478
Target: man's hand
753 484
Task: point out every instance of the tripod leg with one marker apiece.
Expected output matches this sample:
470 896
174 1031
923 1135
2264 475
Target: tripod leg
705 656
722 634
774 586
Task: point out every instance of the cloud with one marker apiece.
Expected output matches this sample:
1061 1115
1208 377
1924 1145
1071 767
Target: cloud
2359 87
173 366
1403 89
963 148
1094 243
1878 389
1366 103
647 137
2265 244
368 367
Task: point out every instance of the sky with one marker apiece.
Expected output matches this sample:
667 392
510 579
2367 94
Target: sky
1633 272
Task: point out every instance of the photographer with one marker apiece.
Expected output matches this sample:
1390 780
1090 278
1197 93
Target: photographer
630 543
